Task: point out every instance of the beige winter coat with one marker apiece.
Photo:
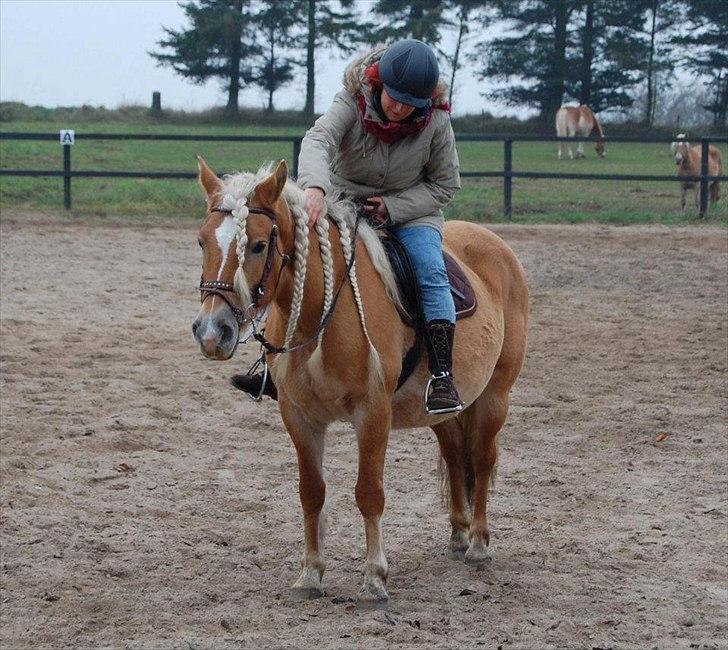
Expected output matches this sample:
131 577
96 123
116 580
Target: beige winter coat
416 176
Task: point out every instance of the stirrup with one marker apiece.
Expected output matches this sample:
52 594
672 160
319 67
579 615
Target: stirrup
449 409
252 371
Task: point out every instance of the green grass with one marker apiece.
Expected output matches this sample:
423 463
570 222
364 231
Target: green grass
534 201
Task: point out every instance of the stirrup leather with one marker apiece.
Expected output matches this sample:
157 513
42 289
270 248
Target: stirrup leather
449 409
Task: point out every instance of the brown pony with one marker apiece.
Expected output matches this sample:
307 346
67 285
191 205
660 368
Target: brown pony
258 256
578 121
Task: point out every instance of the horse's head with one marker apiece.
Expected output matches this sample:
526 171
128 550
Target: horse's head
239 245
680 148
599 147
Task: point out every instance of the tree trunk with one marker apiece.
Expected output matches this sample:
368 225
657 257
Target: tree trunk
554 91
587 51
649 107
455 60
236 33
720 117
308 109
271 69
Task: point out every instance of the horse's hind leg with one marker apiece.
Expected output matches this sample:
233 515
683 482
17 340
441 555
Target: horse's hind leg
308 439
455 453
483 421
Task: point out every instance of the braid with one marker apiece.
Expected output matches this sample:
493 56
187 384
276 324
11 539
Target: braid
299 273
322 229
240 214
347 249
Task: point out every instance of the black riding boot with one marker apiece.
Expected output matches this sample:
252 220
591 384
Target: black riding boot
252 385
442 396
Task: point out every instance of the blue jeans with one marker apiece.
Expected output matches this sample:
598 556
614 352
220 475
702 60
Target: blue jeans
424 245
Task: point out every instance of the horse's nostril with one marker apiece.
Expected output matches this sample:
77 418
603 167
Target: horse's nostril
226 333
195 327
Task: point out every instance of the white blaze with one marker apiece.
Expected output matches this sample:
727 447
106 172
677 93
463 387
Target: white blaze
225 235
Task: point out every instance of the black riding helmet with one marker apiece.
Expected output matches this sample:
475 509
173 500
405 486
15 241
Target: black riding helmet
409 72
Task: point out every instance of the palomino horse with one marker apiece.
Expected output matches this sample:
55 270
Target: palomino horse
258 255
578 121
688 161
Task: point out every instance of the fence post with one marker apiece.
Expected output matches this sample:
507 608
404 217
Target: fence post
296 155
67 176
507 178
704 150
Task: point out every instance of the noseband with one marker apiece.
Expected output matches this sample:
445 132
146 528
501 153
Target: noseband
223 289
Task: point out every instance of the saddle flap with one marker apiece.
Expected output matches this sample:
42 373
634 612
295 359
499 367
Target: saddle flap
460 287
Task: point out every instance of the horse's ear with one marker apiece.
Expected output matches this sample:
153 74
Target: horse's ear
208 179
274 184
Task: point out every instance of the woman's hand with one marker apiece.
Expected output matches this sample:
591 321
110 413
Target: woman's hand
314 204
377 211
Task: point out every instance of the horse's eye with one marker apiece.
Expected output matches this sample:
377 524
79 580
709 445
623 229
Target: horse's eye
258 247
199 241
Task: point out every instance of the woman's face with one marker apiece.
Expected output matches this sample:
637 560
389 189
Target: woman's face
394 110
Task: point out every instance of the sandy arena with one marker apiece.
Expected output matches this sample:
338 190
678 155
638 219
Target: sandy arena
147 504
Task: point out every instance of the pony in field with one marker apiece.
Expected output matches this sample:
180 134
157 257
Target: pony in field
688 161
335 344
578 121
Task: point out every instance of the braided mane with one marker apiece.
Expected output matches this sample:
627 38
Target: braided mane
235 192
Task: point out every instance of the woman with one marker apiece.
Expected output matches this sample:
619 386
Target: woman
387 139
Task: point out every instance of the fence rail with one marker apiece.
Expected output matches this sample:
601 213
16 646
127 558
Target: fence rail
507 173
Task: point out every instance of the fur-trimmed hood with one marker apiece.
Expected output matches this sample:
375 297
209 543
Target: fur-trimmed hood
356 82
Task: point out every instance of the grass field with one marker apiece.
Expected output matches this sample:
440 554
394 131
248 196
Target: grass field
480 199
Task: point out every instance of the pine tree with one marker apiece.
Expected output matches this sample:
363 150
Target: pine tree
662 18
420 19
276 20
219 38
705 51
334 25
609 53
465 13
531 57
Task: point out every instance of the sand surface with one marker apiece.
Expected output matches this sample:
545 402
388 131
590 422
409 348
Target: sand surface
145 503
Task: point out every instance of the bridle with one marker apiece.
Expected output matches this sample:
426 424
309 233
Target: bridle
215 287
224 289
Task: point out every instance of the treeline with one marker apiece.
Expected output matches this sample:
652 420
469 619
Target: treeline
617 55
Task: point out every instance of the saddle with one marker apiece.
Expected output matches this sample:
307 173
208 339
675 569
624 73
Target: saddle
411 314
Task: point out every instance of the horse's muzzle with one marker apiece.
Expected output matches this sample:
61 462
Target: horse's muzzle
216 334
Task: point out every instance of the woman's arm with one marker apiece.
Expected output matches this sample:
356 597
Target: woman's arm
322 141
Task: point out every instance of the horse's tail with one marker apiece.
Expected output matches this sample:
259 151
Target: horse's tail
562 116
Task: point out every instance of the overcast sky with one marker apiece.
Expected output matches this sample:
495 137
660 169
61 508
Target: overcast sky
73 52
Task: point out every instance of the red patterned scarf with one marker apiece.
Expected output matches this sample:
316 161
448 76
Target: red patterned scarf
389 132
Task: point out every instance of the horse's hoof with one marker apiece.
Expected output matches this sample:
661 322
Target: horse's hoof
477 554
458 544
306 593
372 593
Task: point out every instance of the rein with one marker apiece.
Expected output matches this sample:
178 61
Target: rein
216 287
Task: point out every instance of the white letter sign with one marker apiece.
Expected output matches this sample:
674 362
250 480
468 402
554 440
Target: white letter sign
68 136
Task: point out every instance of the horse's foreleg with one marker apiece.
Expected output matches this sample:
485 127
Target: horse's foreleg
308 439
373 433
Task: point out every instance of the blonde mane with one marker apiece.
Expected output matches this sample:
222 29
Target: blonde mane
235 192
